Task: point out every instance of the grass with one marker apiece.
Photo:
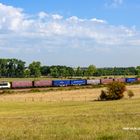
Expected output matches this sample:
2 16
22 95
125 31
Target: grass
69 120
22 119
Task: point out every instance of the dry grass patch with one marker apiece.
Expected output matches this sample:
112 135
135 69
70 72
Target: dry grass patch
69 120
70 95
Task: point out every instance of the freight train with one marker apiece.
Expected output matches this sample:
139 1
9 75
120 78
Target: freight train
60 83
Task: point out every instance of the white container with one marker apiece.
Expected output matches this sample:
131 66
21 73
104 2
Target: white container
93 82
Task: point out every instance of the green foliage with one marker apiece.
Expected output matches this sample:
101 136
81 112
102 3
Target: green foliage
138 70
79 72
54 72
12 68
61 71
114 91
34 68
130 93
27 73
90 70
45 70
116 71
16 68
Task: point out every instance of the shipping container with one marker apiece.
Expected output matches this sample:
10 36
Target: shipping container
78 82
120 80
131 80
61 82
42 83
93 82
106 81
22 84
138 79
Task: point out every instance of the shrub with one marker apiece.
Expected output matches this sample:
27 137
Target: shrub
114 91
103 95
130 93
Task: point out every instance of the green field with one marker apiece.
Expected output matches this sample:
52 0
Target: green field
70 120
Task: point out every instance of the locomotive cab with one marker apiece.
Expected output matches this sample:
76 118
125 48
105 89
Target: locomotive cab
4 85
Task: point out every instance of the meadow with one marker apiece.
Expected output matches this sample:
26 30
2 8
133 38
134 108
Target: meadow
71 115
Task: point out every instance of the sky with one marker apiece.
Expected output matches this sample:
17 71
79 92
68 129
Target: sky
105 33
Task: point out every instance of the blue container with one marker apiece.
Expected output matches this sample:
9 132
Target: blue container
59 83
78 82
131 80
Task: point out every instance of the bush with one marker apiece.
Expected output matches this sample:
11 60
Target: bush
130 93
103 95
114 91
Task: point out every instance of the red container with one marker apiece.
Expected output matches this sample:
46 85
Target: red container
43 83
138 79
120 80
106 81
22 84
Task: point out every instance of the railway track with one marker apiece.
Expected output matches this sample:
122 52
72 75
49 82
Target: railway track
39 89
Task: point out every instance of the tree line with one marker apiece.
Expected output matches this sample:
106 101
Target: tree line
18 68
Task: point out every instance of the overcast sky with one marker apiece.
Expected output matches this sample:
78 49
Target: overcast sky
105 33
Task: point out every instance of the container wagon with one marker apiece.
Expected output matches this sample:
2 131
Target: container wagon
131 80
138 79
60 83
119 80
43 83
21 84
94 82
106 81
78 82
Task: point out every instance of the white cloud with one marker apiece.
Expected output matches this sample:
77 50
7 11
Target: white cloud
57 17
42 15
98 20
22 32
49 26
113 3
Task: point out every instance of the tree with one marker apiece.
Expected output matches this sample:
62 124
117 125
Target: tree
3 67
70 71
64 72
91 70
27 73
45 70
79 72
114 91
54 72
138 70
34 68
11 68
20 68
